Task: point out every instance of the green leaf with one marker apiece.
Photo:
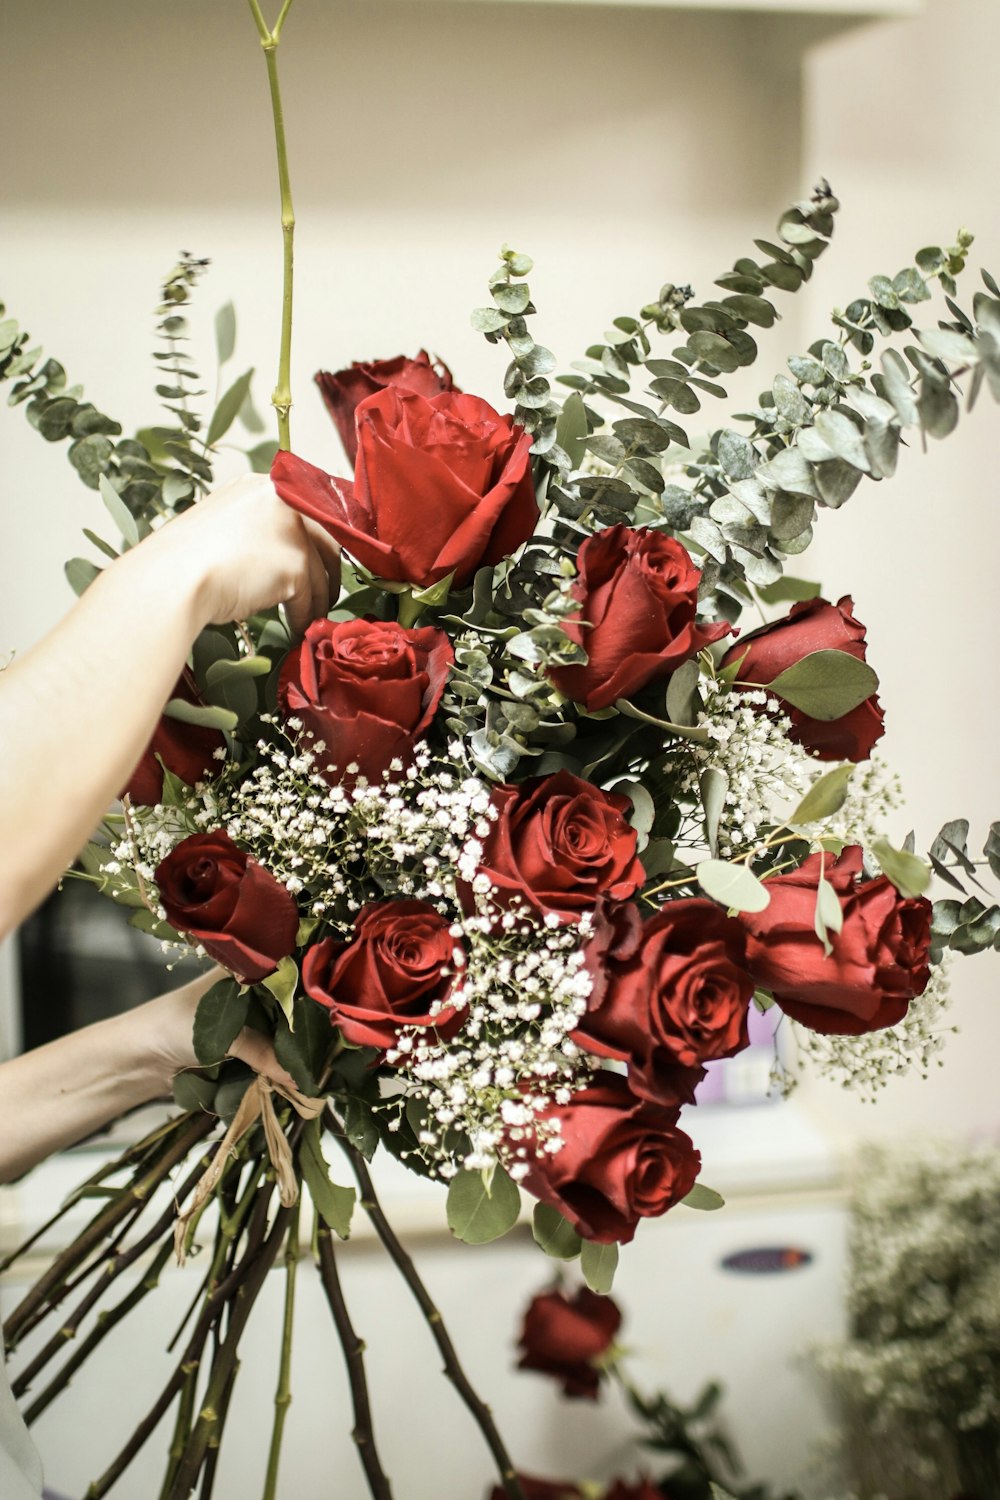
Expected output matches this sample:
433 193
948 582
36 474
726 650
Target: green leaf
842 437
488 319
219 1019
334 1204
790 590
554 1234
478 1214
225 332
225 670
228 409
991 849
513 298
825 797
360 1127
193 1091
208 715
599 1264
713 785
80 573
100 543
825 684
703 1198
282 984
262 456
643 810
829 913
682 694
119 511
910 874
733 886
571 428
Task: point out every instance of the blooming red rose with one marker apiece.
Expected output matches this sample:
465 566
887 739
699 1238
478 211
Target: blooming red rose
638 593
367 688
188 750
814 625
542 1489
669 994
397 970
441 485
878 962
621 1160
215 893
343 390
564 1336
558 843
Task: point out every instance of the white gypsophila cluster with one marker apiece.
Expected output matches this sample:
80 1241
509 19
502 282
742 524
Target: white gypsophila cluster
748 745
919 1371
523 985
874 793
419 832
869 1063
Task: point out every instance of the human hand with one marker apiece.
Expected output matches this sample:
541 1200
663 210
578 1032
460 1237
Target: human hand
242 549
164 1027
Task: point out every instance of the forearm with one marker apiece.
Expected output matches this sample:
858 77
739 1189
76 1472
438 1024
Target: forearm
58 1094
77 711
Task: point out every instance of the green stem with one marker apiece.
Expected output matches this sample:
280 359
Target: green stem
283 1394
281 398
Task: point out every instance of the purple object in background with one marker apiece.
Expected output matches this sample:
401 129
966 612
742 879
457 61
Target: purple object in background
745 1078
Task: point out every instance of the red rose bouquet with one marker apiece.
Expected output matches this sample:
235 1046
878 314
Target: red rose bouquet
503 852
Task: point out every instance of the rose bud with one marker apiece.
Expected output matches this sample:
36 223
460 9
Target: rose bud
638 593
343 390
814 625
188 750
442 485
621 1160
669 995
216 894
642 1489
397 970
367 688
878 962
558 843
541 1489
565 1336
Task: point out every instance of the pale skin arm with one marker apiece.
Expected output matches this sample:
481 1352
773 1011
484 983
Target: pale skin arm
58 1094
78 709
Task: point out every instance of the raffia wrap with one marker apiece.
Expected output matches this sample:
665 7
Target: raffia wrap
257 1104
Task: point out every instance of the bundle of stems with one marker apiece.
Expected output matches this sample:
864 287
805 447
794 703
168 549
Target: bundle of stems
252 1231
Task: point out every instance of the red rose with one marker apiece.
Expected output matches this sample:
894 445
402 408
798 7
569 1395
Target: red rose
397 970
542 1489
670 994
813 626
642 1489
638 593
343 391
564 1336
621 1160
227 902
878 963
441 485
188 750
559 843
367 688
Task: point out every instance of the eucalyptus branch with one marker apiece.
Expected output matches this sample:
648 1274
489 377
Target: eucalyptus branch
481 1413
354 1356
281 398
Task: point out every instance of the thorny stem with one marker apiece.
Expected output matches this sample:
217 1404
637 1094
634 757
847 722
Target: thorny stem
138 1192
283 1394
481 1413
281 398
354 1356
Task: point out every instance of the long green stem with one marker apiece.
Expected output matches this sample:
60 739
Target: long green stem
281 398
283 1394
